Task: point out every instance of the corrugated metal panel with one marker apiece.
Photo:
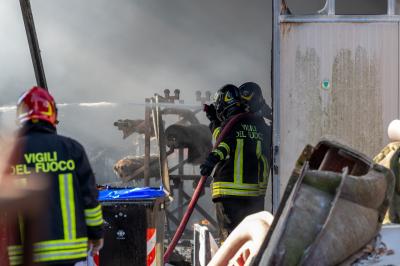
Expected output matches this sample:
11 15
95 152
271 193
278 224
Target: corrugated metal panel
338 80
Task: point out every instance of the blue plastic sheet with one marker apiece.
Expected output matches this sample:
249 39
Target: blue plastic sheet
131 193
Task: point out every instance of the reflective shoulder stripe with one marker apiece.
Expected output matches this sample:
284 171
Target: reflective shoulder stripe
219 153
238 162
94 216
225 146
67 205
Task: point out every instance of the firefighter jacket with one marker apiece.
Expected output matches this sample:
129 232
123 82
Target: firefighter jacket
72 214
242 159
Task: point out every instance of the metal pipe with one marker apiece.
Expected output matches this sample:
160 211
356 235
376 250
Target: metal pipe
33 43
146 161
338 19
180 184
162 147
331 7
276 7
391 7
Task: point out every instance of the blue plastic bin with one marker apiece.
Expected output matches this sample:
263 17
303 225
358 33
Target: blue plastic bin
134 221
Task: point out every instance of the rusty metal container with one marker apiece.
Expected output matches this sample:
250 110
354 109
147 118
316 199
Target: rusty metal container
331 209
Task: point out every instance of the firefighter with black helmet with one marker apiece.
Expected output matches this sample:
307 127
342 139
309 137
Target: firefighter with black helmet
241 161
73 215
252 96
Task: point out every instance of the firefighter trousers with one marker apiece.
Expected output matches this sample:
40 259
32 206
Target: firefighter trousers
231 211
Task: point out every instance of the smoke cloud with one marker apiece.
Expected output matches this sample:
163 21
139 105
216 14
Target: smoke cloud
126 50
99 50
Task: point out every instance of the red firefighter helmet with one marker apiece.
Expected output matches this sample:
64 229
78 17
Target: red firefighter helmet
36 104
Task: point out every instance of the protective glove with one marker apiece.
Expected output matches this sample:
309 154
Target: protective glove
211 112
95 246
206 168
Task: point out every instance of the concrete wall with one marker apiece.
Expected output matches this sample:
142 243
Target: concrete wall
339 80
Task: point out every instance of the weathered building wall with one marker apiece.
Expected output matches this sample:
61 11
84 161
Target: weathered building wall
338 80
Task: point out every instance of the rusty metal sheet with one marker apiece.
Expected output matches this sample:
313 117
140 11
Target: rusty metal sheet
338 80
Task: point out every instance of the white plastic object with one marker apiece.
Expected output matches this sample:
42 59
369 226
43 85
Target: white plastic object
394 130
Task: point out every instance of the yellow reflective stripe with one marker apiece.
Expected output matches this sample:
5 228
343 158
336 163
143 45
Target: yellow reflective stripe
94 216
225 146
230 185
94 222
67 205
97 216
61 179
15 250
219 153
232 189
258 149
234 192
72 205
15 254
264 180
60 255
60 244
60 248
238 162
15 260
93 211
216 133
63 241
266 167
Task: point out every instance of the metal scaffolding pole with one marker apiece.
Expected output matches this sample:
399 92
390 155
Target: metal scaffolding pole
33 43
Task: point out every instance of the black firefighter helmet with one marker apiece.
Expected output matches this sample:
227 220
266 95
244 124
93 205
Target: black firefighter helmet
252 96
227 101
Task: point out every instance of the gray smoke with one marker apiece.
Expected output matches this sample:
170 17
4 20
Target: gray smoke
99 50
126 50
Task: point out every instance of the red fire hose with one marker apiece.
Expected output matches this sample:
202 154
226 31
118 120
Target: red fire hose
200 185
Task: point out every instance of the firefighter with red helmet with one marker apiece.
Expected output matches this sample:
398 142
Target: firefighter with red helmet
73 215
240 162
